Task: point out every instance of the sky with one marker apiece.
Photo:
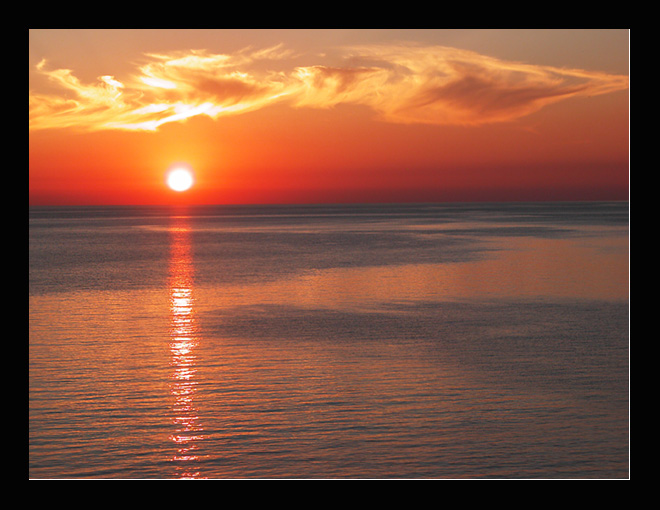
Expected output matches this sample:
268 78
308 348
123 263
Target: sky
328 116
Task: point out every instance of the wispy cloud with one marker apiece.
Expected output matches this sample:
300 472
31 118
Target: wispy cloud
409 84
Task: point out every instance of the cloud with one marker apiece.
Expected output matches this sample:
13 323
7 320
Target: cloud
407 84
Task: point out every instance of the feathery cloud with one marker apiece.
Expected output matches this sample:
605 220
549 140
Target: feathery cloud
407 84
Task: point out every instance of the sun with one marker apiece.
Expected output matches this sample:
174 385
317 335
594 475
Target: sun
180 179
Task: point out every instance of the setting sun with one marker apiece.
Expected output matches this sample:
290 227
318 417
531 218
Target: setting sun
180 179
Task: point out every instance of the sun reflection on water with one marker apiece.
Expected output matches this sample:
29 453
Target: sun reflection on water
183 342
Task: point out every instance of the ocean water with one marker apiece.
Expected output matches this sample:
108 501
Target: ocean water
348 341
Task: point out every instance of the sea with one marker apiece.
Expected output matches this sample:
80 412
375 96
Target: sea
375 341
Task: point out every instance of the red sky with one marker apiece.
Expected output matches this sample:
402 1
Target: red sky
278 116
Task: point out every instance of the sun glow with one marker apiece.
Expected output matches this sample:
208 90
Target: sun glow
180 179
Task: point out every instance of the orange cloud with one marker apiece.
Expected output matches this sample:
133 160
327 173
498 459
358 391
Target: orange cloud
410 84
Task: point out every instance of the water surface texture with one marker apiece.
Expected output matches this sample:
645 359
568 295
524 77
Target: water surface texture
374 341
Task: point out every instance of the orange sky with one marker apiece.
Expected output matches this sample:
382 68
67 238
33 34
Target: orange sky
301 116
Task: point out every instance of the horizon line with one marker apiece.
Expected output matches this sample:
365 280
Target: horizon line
374 203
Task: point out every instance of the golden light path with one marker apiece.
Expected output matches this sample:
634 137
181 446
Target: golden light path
183 341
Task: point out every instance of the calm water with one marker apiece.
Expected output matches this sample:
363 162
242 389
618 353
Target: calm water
418 341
